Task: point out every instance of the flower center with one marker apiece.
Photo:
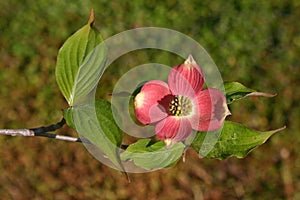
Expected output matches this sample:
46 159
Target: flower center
180 106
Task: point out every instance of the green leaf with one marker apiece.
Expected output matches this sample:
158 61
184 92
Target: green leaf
151 156
80 63
235 91
95 122
234 140
68 116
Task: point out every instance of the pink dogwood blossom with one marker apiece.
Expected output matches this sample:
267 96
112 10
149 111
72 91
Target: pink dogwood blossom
177 107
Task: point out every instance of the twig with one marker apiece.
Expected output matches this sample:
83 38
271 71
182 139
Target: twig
61 137
42 132
52 127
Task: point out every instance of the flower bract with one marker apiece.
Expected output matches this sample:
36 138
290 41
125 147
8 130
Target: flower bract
179 106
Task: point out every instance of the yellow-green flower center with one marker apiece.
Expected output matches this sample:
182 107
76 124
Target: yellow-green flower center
180 106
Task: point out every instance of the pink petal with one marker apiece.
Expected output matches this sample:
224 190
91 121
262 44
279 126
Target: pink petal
186 79
175 128
147 104
211 110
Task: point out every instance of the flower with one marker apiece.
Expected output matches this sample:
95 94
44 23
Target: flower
177 107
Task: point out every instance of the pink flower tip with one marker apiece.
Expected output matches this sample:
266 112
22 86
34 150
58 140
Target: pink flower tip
190 61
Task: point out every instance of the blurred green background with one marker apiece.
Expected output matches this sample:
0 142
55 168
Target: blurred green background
254 42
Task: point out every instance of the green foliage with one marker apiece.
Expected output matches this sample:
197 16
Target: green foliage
151 156
235 91
78 59
103 132
234 140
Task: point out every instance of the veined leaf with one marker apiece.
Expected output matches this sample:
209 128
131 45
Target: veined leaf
234 140
235 91
80 63
95 123
153 155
